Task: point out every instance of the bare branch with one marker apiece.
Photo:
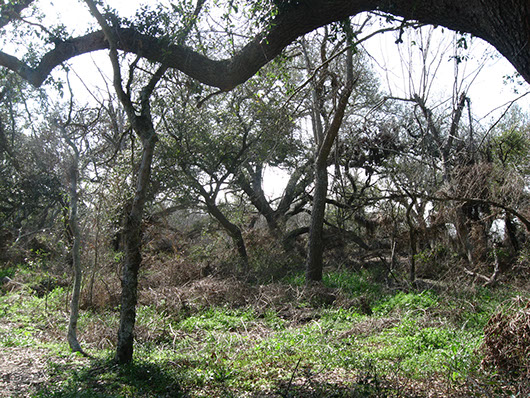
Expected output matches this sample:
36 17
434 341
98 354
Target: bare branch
338 54
112 40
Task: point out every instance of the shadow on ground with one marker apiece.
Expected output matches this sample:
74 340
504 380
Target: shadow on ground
103 378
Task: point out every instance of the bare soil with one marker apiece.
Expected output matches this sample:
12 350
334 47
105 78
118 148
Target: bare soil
25 370
22 370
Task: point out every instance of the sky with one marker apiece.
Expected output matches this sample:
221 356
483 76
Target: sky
481 74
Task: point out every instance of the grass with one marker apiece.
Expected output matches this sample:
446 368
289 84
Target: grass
412 342
352 283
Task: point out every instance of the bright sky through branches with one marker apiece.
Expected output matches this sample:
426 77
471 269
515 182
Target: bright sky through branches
397 65
483 73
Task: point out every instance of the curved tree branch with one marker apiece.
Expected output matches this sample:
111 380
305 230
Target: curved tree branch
503 23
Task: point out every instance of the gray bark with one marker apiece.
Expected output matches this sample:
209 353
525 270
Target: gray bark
73 222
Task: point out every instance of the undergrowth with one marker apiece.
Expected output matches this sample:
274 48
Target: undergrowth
278 343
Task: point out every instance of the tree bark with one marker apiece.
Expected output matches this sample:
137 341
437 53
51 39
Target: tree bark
510 234
315 254
133 256
463 232
412 243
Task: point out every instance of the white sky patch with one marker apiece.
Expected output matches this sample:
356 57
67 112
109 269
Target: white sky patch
481 74
497 229
274 182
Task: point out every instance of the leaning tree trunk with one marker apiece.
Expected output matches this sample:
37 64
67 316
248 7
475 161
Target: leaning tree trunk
133 256
233 230
254 191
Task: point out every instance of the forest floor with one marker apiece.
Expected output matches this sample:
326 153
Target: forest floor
352 336
24 370
21 369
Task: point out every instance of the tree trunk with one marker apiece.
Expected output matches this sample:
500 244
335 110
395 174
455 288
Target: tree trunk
464 233
314 264
233 230
133 256
510 234
276 219
76 257
96 256
316 243
254 191
412 243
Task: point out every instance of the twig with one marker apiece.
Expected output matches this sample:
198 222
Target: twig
489 281
508 106
292 376
202 101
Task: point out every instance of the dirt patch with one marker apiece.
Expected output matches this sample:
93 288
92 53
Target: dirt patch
22 371
25 370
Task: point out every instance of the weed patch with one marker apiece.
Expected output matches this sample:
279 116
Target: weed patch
409 303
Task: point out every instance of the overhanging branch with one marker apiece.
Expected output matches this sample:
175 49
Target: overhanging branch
509 34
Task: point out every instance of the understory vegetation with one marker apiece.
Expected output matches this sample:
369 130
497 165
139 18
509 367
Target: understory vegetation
206 331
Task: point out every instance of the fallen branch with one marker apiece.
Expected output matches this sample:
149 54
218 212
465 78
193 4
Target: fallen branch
492 280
